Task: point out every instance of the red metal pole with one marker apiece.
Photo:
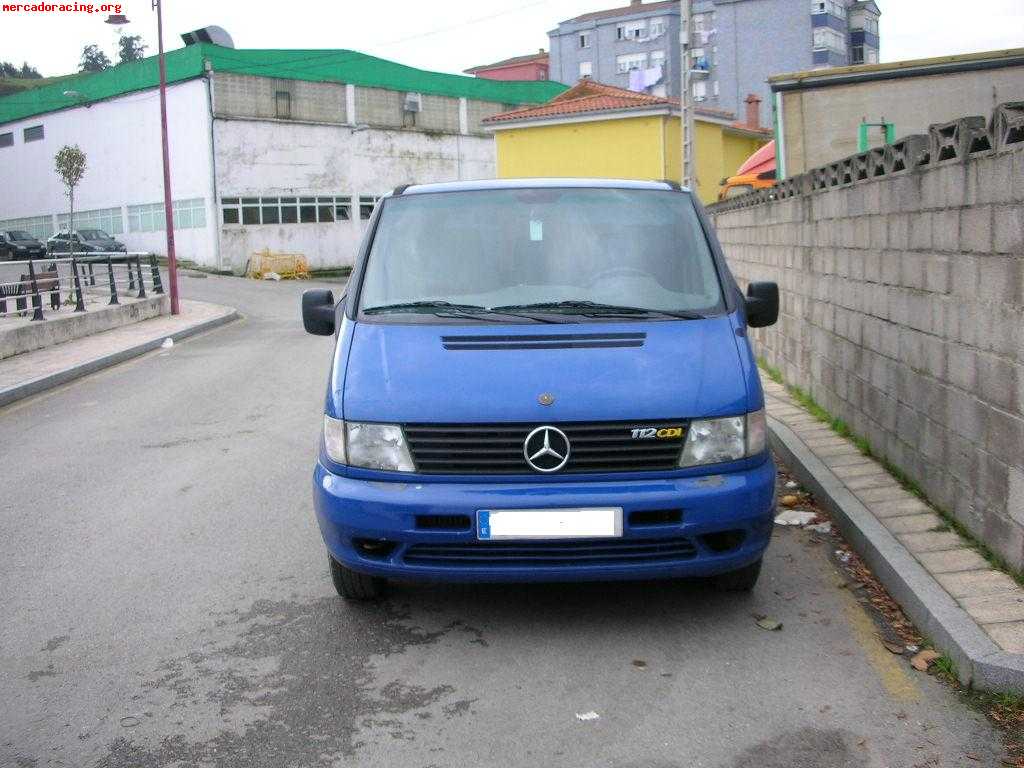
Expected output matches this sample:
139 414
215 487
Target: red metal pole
172 261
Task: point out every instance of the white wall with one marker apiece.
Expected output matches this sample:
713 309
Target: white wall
279 158
121 138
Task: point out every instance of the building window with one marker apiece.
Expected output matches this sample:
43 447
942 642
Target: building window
586 69
40 227
835 7
283 105
657 58
322 209
714 89
857 54
872 57
270 210
826 38
584 39
250 210
107 219
366 204
7 139
146 218
229 210
633 30
658 27
630 61
700 90
188 214
33 133
343 208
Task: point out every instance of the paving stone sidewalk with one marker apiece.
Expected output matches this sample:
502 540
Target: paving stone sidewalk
993 599
32 372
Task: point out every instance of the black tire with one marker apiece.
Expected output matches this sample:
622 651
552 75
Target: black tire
353 585
742 580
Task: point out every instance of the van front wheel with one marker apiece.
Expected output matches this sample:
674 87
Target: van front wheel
353 585
741 580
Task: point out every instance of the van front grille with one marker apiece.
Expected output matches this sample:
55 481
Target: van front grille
497 449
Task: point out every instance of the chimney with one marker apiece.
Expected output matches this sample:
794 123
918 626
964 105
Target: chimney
635 2
753 111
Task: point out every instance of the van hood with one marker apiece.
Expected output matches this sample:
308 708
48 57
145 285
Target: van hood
497 373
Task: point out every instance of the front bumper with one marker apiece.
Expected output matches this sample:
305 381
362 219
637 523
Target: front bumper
375 527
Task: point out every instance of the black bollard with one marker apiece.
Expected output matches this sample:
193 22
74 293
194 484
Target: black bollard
37 300
142 283
157 285
113 284
79 298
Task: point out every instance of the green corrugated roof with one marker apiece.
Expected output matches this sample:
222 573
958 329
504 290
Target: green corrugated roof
316 65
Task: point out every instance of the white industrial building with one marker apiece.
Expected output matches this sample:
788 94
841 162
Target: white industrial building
279 149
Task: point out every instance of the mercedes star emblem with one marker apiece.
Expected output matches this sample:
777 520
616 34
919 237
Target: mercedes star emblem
546 449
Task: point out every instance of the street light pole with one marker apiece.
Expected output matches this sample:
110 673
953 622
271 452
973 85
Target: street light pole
172 261
685 95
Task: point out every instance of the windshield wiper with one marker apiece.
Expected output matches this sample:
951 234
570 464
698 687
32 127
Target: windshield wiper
597 309
412 306
450 309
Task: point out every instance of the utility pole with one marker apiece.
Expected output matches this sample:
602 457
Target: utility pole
119 20
172 261
685 95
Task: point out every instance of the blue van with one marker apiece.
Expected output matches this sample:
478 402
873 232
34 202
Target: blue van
542 380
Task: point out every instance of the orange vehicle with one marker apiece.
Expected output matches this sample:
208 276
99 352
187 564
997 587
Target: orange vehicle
757 172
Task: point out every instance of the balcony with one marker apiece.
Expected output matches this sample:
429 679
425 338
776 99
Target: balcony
700 67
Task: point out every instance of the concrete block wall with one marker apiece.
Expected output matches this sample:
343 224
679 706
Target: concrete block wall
254 97
246 96
903 314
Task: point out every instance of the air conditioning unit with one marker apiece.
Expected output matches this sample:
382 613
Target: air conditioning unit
413 102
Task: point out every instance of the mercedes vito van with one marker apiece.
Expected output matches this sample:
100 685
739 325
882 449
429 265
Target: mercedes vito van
542 380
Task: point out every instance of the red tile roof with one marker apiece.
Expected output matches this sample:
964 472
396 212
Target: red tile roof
625 11
589 96
586 96
542 56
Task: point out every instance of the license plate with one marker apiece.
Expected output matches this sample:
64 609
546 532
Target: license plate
577 523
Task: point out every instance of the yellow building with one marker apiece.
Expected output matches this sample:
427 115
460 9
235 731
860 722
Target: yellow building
597 130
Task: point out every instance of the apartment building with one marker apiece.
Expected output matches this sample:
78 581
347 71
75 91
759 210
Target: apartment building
735 45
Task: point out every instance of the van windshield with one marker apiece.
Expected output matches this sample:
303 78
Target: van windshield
560 250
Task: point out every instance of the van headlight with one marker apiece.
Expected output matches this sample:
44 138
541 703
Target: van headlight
362 444
711 441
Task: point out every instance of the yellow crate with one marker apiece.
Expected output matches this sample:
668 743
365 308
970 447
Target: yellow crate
289 266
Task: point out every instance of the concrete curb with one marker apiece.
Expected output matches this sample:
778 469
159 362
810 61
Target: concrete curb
980 662
43 383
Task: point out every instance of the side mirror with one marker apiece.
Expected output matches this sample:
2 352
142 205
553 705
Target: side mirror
762 304
318 312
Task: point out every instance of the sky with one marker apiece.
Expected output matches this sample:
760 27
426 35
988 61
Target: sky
447 35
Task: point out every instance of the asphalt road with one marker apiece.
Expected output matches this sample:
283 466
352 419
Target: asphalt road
165 601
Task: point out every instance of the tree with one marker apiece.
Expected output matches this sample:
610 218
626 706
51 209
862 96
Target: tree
70 164
131 48
26 71
93 59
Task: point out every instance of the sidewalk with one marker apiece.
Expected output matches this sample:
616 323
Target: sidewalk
970 611
33 372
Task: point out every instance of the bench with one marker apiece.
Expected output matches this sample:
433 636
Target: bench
48 281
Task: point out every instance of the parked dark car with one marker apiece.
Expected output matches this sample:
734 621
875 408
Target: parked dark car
16 244
85 241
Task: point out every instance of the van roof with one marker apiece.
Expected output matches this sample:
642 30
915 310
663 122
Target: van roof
553 183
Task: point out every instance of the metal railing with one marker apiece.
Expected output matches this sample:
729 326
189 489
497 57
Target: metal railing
111 275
